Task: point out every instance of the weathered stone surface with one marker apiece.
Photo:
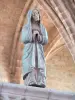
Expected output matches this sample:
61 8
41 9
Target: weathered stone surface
20 92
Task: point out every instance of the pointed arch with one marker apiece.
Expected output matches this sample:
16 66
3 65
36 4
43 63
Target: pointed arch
62 20
53 9
13 59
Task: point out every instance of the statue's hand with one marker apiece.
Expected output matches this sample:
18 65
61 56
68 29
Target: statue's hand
39 38
35 35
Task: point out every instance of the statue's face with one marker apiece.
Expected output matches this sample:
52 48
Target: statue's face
35 15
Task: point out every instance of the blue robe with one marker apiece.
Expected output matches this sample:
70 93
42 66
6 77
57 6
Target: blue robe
28 58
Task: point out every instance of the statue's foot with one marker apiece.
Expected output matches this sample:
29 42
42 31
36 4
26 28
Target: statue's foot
36 85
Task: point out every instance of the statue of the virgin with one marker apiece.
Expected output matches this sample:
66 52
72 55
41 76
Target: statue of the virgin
34 36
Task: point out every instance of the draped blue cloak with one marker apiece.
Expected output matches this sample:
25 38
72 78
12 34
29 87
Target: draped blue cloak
28 58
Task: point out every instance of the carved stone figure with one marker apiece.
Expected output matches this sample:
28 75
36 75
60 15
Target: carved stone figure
34 36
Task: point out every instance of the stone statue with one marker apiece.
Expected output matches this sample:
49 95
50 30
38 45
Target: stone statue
34 36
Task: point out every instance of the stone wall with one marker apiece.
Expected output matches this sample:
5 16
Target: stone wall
61 70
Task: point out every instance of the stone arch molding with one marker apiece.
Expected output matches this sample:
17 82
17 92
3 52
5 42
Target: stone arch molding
61 18
15 47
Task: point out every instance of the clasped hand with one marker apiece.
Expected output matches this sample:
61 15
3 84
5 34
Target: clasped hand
36 36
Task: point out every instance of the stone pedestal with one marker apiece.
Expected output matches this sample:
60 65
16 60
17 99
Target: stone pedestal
10 91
